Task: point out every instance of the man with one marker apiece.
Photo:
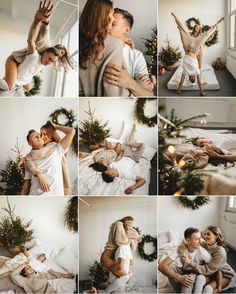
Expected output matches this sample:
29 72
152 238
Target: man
182 277
32 282
48 161
34 62
121 276
124 168
135 77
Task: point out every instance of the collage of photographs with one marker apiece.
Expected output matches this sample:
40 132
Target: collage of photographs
118 149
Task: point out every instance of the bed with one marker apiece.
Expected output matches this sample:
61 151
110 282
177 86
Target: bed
209 80
91 182
58 259
218 179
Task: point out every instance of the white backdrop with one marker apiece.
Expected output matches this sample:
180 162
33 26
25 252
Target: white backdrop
94 228
19 115
145 17
208 12
118 110
47 214
172 216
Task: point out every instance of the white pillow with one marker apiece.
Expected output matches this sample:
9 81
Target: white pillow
68 261
50 251
163 237
148 153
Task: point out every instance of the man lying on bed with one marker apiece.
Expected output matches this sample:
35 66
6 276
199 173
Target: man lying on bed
33 282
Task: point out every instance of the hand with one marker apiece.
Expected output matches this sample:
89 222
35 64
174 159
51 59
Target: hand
68 276
145 79
20 164
44 11
185 280
218 290
44 185
212 153
185 259
130 42
117 76
129 190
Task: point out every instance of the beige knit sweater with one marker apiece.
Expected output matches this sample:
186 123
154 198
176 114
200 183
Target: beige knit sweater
91 81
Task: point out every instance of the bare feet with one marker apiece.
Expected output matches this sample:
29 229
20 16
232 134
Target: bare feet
202 93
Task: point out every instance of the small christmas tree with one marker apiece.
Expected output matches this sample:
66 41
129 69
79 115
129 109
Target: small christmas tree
71 215
151 45
14 231
12 177
93 131
98 274
169 55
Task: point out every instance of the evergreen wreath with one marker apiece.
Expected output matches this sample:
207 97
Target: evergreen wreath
36 88
71 215
191 22
148 239
68 114
140 115
193 203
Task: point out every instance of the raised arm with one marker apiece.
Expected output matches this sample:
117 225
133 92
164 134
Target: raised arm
179 24
69 135
212 30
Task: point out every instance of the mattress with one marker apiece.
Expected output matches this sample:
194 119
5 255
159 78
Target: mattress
209 80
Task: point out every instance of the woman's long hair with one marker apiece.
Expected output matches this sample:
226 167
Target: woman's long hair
217 232
66 61
50 129
200 31
93 30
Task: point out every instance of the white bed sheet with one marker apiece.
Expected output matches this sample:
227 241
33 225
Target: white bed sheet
209 79
91 182
218 181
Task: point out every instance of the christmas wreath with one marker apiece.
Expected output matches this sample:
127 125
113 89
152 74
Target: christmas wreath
191 22
36 88
71 118
68 114
148 239
140 115
193 203
213 39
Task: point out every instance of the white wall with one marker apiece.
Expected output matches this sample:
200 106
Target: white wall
145 17
208 12
172 216
19 115
47 214
118 110
220 110
94 224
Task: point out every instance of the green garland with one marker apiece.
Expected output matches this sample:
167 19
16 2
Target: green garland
212 40
36 88
140 115
71 215
68 114
148 239
195 203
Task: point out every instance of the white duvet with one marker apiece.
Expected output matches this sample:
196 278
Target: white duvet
209 80
218 180
91 182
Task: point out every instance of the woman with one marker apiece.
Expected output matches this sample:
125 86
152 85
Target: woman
191 48
197 30
121 233
215 245
43 42
97 49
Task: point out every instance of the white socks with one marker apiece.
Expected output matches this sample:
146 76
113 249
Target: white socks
3 85
208 289
117 283
199 284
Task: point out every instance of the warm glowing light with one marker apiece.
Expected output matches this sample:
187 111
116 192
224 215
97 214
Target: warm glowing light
171 149
182 163
178 193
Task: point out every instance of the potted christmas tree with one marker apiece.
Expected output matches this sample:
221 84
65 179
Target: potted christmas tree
93 131
14 231
169 56
99 275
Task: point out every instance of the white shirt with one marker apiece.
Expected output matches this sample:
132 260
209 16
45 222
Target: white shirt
28 68
51 167
125 168
134 61
124 252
